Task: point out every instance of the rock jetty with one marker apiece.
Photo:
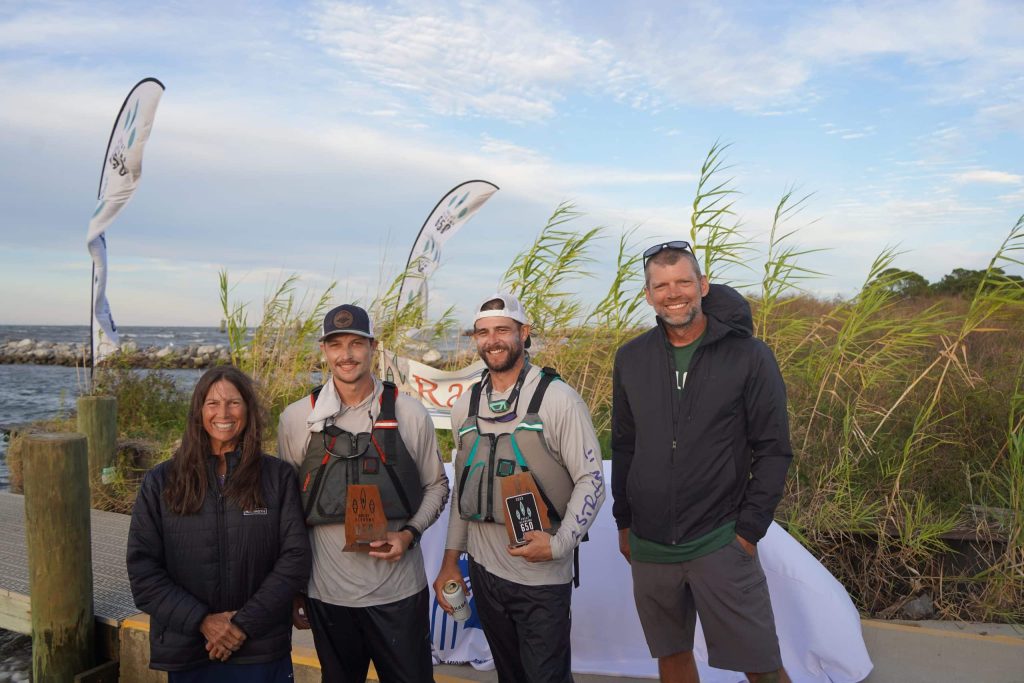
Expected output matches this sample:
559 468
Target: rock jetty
28 351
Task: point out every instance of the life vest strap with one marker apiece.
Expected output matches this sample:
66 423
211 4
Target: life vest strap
474 399
547 376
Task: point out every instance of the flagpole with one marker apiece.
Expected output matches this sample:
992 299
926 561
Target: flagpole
92 325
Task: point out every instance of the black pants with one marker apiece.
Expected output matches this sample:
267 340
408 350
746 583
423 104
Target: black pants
527 627
396 636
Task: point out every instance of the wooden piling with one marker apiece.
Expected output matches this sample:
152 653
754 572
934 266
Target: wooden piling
57 534
97 419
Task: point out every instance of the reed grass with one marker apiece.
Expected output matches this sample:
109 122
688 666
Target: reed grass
897 428
907 415
394 322
280 353
715 229
537 275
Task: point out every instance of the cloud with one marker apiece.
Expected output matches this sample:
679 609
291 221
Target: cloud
848 133
956 51
525 61
926 31
518 61
987 176
522 62
1014 198
953 52
332 128
503 61
329 190
1004 115
77 34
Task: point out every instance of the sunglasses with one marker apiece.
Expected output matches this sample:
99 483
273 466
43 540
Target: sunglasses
509 406
340 447
658 248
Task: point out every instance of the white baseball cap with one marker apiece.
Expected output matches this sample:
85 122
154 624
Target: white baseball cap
511 308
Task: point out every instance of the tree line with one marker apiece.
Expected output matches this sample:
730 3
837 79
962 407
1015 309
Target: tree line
959 282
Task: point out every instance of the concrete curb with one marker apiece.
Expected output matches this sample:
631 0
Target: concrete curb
941 652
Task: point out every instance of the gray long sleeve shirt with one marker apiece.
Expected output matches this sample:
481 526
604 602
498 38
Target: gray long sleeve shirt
569 435
353 579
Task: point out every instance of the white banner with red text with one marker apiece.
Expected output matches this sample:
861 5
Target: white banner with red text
437 390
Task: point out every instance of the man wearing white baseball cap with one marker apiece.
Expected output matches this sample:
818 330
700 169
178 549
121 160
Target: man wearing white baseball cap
520 419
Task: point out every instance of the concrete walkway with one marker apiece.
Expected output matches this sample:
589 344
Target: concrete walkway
902 652
944 652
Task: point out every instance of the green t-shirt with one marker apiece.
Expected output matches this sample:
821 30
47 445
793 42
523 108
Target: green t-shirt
649 551
683 355
643 550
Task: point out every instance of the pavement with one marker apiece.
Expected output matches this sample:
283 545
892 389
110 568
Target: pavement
944 652
902 652
457 673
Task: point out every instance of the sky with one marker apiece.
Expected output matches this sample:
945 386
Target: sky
314 138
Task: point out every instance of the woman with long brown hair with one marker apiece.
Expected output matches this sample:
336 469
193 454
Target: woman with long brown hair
218 546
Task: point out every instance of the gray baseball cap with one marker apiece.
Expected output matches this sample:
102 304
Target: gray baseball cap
347 319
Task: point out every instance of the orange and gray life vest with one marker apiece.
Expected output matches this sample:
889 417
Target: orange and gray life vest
385 462
483 458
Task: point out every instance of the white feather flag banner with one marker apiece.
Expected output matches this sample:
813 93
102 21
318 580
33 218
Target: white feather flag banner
451 213
122 168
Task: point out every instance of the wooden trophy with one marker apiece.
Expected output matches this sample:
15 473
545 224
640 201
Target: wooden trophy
364 520
524 508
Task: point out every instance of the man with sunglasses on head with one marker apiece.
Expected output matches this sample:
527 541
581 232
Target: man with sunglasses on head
520 418
358 430
700 450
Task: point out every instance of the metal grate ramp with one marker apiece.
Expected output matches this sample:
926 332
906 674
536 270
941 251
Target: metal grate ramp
112 596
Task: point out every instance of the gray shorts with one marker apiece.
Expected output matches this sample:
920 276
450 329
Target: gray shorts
728 589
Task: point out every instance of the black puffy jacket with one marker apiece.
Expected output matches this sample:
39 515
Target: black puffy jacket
183 567
684 465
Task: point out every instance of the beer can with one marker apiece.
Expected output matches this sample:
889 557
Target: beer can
456 597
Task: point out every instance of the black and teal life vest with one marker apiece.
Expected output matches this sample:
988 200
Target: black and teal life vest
482 458
384 461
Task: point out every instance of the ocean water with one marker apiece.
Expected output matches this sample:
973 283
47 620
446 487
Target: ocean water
143 336
39 392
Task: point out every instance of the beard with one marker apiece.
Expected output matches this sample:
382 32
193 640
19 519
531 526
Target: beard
512 356
681 320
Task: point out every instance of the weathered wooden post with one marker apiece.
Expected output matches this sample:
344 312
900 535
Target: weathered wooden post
57 529
97 419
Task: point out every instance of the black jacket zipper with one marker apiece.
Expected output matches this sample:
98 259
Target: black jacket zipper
222 536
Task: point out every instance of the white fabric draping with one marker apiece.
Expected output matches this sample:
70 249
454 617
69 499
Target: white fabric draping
819 628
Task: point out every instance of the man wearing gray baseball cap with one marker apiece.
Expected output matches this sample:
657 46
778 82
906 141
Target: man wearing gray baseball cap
520 420
356 429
